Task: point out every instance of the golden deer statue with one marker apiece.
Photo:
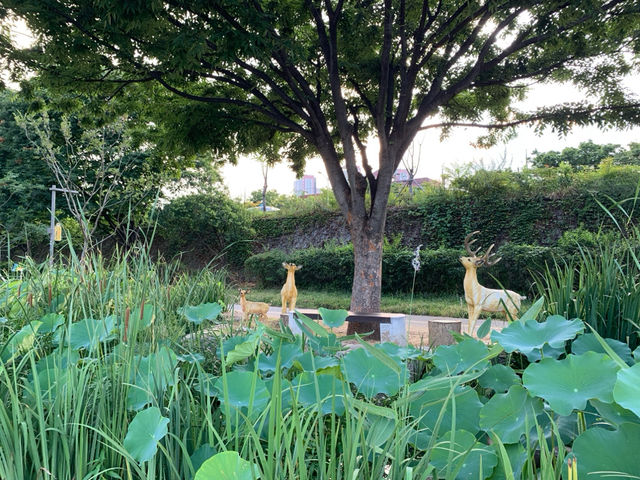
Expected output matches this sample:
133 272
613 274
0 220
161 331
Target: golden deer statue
480 299
289 292
248 308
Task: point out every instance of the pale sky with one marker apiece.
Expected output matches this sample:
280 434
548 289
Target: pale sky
436 155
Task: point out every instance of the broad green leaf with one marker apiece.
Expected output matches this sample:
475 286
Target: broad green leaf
370 375
87 334
589 343
243 351
627 388
546 352
59 358
400 353
427 407
324 391
484 329
499 378
531 335
568 384
21 342
287 353
463 356
50 322
205 384
606 455
146 429
459 455
511 459
333 318
393 364
142 316
614 413
230 343
244 390
199 313
311 363
510 415
201 455
227 466
150 376
51 382
636 354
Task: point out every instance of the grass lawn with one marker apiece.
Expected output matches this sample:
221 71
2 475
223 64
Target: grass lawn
437 305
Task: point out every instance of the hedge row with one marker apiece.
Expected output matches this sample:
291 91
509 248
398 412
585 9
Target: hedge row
441 272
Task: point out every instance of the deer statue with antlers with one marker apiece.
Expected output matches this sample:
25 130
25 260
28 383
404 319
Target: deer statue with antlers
480 299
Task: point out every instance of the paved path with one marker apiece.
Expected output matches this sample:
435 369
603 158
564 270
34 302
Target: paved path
417 325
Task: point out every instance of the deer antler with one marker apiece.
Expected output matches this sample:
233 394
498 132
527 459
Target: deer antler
488 257
468 242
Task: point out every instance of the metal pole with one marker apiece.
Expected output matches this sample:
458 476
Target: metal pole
52 224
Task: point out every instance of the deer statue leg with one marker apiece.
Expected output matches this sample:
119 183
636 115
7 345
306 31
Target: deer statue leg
284 303
474 318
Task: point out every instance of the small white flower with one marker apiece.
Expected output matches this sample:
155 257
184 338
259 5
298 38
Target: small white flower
415 262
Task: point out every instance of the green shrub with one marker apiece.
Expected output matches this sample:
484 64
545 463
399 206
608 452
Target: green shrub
211 222
331 268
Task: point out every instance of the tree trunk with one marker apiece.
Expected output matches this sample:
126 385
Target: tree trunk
367 275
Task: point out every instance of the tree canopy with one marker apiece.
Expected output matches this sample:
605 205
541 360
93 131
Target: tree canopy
330 75
588 154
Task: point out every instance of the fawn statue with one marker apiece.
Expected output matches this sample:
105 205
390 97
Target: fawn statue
480 299
289 292
248 308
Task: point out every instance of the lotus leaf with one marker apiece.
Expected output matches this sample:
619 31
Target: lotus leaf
243 350
244 390
287 353
146 429
333 318
636 354
370 375
20 342
227 466
190 357
311 328
461 454
589 343
205 384
614 413
484 329
627 388
517 456
50 322
420 439
426 408
150 376
499 378
531 335
199 313
466 355
568 384
400 353
201 455
546 352
230 343
327 391
286 392
510 415
51 382
142 316
89 333
605 454
58 359
309 362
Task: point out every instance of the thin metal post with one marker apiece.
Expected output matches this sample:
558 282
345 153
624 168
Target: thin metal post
52 224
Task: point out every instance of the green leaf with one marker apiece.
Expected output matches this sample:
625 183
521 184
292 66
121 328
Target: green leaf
333 318
89 333
605 454
199 313
511 459
458 358
372 376
627 388
50 322
427 407
533 312
287 353
568 384
400 353
312 363
510 415
393 364
325 392
150 376
21 342
499 378
531 335
589 343
484 329
245 390
461 454
614 413
202 454
307 324
227 466
146 429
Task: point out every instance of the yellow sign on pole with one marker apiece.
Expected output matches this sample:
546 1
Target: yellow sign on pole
58 233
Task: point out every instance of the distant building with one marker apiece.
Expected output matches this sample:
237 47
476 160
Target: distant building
402 176
305 186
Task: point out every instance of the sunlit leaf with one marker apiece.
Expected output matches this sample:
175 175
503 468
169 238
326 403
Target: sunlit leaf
199 313
333 318
50 322
510 415
589 343
227 466
627 388
370 375
499 378
89 333
323 391
461 454
146 429
468 354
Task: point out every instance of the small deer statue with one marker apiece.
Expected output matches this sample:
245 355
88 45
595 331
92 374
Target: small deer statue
248 308
289 292
480 299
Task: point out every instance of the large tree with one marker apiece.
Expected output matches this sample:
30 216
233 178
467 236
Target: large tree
335 74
